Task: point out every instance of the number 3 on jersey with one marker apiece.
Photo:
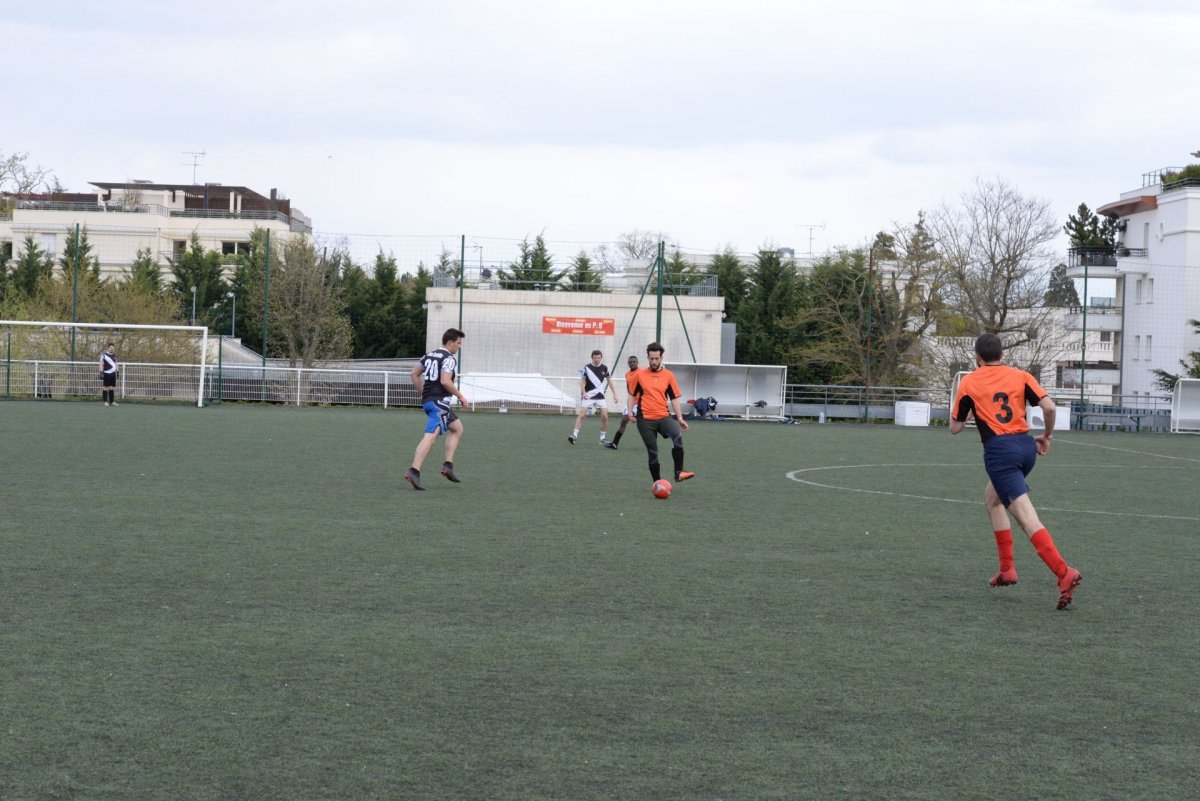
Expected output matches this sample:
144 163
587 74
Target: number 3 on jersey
1006 413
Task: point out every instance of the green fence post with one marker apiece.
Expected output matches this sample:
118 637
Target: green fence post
266 300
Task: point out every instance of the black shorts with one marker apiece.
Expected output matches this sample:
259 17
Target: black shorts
109 379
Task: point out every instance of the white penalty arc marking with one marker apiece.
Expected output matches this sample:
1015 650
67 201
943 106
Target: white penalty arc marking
794 475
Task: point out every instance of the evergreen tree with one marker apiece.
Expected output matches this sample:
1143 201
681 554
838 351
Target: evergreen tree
144 272
449 266
412 330
1060 292
681 273
884 246
765 335
203 270
33 265
1085 230
582 277
5 258
383 313
732 281
249 275
356 288
87 262
1190 366
533 269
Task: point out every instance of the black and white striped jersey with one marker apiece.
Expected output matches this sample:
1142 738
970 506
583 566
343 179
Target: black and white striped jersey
595 380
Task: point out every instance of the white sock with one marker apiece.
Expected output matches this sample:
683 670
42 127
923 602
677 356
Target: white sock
575 433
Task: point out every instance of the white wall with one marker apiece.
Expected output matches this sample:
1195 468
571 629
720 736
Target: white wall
504 329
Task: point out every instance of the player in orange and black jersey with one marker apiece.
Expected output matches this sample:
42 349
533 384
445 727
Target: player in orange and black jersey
657 394
630 411
998 395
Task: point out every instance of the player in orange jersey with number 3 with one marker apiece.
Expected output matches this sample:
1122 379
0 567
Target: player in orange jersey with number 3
997 395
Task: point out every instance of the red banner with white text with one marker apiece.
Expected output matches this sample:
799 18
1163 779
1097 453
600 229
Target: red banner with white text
595 326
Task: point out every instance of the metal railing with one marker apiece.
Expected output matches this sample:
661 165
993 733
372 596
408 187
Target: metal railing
106 207
119 207
299 386
1092 256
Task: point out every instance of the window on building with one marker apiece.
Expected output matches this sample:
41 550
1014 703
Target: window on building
1145 235
1137 291
233 248
1137 347
50 243
1149 343
1149 290
1106 336
178 248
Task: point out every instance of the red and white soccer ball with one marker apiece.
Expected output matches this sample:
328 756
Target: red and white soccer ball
661 489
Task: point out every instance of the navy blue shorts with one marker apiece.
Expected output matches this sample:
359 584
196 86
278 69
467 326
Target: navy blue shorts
1008 458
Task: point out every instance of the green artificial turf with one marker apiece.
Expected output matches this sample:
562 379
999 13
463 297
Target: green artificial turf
248 602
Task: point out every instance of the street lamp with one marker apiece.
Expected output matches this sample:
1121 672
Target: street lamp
193 305
233 317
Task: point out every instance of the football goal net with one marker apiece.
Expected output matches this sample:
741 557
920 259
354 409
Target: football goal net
48 360
1185 406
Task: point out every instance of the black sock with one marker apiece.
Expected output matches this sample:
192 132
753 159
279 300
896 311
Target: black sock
654 472
677 455
617 438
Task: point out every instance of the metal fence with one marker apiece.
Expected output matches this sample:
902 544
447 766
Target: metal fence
299 386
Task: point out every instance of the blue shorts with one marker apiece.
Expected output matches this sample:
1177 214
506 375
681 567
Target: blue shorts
440 416
1008 458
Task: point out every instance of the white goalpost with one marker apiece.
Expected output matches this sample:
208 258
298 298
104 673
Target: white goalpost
42 359
1185 406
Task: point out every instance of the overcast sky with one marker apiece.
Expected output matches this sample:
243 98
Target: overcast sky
746 123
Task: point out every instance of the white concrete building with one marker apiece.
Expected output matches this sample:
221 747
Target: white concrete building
123 218
1156 276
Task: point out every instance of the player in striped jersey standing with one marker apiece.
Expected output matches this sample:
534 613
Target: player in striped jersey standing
593 384
108 374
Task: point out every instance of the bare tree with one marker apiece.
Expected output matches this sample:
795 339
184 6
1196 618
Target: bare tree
308 320
995 252
640 244
18 176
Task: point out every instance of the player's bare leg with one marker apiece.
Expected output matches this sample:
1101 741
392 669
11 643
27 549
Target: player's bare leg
453 437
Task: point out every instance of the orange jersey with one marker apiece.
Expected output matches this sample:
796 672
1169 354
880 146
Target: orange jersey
998 395
653 389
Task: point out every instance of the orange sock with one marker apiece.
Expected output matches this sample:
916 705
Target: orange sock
1004 548
1045 549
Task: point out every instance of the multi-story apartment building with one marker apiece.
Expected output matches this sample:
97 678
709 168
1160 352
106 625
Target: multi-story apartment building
1156 273
123 218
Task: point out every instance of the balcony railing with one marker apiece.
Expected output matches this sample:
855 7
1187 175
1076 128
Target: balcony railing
107 207
117 207
1132 253
1180 183
1095 309
1091 257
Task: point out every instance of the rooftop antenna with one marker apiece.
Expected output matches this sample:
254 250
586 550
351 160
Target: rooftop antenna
196 156
811 228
